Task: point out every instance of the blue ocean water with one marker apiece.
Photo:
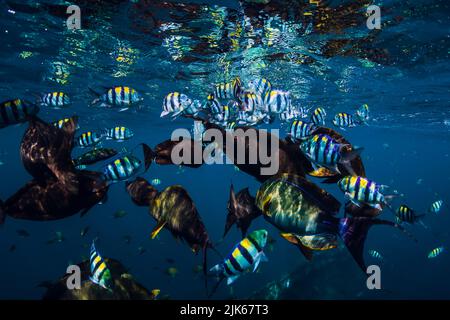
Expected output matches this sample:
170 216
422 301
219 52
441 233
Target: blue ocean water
327 58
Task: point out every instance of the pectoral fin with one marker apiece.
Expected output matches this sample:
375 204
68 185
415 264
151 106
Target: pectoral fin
157 229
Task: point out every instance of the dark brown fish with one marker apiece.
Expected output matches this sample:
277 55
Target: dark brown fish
174 210
46 151
242 210
125 287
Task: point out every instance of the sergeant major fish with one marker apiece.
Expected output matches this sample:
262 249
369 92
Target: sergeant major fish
246 254
122 168
16 111
88 139
406 214
318 116
300 130
344 120
118 133
361 190
326 152
175 103
228 90
100 273
120 96
54 99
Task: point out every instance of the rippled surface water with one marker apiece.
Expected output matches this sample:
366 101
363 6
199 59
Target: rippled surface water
323 54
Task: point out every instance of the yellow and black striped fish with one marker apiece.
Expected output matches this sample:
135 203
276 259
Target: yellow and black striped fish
16 111
361 190
88 139
228 90
406 214
122 168
55 99
344 120
121 96
100 274
118 133
246 254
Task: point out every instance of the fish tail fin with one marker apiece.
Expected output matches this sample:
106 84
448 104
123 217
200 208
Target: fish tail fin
353 232
149 155
231 217
352 154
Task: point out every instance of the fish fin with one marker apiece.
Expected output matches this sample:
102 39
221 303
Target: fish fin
164 113
232 279
353 232
157 229
232 206
149 155
260 258
124 109
294 239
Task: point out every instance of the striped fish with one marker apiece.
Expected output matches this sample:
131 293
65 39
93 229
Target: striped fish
61 123
122 168
318 116
375 254
119 96
88 139
250 102
16 111
118 133
260 86
406 214
291 114
174 103
436 206
435 252
300 130
229 90
278 101
245 255
363 113
100 273
361 190
324 151
55 99
213 104
344 120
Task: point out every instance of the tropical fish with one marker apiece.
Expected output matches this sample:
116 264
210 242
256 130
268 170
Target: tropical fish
292 113
61 123
435 252
318 116
278 101
436 206
88 139
118 133
16 111
175 103
326 152
228 90
305 215
406 214
100 273
120 96
93 156
260 86
122 168
120 214
300 130
250 102
23 233
245 255
361 190
156 182
363 113
213 105
155 293
375 254
55 99
344 120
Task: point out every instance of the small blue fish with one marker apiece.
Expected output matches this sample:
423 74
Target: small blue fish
363 113
174 104
375 254
55 99
118 133
156 182
435 252
318 116
122 168
344 120
88 139
300 130
436 206
118 96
